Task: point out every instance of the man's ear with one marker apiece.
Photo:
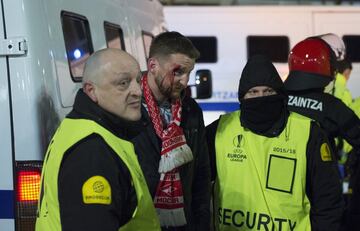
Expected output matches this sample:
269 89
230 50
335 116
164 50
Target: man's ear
90 90
152 65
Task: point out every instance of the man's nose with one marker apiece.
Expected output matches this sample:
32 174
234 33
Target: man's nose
184 81
136 89
261 94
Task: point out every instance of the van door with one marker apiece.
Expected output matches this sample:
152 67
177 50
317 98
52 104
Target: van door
343 24
6 152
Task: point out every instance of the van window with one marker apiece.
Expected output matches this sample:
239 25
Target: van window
207 46
352 43
114 36
275 47
77 42
147 39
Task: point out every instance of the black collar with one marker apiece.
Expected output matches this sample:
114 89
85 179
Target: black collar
85 108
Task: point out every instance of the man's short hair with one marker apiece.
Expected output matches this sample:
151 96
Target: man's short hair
173 42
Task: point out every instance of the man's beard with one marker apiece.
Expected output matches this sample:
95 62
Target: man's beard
166 87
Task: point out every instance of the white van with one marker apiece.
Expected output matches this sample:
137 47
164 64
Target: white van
43 47
228 35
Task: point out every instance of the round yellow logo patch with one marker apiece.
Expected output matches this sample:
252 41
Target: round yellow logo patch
96 190
325 152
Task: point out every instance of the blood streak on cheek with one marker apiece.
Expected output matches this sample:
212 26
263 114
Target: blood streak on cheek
174 71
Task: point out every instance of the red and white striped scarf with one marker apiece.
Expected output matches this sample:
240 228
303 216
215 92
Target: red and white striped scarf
169 200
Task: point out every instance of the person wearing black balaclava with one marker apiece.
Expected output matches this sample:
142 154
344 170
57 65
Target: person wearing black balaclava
272 169
262 115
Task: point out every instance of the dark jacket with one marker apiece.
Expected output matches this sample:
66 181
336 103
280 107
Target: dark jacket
322 178
195 175
89 157
332 114
352 215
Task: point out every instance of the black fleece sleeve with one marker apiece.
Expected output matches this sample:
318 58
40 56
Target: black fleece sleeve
210 137
201 184
93 157
323 185
346 121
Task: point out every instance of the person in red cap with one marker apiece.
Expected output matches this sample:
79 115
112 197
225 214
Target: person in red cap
312 65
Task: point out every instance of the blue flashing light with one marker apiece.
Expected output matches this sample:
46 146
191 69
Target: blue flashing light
77 53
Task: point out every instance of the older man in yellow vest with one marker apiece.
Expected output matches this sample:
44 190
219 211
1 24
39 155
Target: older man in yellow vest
91 179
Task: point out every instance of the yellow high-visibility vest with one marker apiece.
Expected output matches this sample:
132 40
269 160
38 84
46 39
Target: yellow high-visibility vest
260 182
70 132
